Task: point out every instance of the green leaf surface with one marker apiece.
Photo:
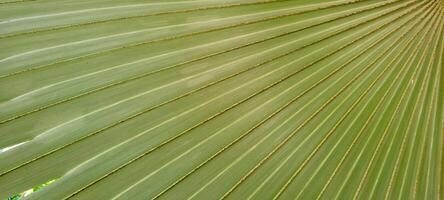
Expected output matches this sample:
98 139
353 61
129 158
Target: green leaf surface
222 99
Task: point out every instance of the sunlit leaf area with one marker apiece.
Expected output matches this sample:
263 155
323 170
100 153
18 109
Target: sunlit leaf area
221 99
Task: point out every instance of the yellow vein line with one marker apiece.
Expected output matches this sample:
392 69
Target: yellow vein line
13 2
440 129
102 9
222 6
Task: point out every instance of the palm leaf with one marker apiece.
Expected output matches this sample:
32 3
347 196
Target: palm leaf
227 99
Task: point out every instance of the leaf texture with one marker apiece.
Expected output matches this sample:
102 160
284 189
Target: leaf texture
226 99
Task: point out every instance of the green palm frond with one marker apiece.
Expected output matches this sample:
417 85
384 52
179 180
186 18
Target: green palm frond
222 99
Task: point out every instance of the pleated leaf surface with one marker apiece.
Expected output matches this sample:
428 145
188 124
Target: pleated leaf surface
222 99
